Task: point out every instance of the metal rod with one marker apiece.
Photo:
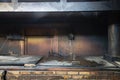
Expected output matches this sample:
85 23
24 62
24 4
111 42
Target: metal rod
114 37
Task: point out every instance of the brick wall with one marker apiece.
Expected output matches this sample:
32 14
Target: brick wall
62 75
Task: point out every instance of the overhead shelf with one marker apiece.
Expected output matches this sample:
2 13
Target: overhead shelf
5 0
38 0
85 0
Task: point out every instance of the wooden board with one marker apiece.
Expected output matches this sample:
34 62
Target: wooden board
21 60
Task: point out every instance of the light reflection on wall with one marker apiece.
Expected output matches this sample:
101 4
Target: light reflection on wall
82 45
38 45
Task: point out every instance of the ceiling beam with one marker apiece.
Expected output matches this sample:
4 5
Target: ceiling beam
61 6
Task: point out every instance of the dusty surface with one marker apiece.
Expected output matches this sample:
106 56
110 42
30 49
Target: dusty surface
19 60
99 60
80 61
56 63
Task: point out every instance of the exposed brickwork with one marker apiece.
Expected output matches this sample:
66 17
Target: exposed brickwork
73 73
48 72
67 76
25 72
61 72
85 73
62 75
76 77
37 72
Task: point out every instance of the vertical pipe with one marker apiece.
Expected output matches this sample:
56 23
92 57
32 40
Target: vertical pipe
26 45
114 43
22 47
70 49
71 38
55 46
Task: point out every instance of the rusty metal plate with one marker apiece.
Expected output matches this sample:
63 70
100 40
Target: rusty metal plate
21 60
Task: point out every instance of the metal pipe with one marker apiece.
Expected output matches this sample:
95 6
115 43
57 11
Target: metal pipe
114 43
71 38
